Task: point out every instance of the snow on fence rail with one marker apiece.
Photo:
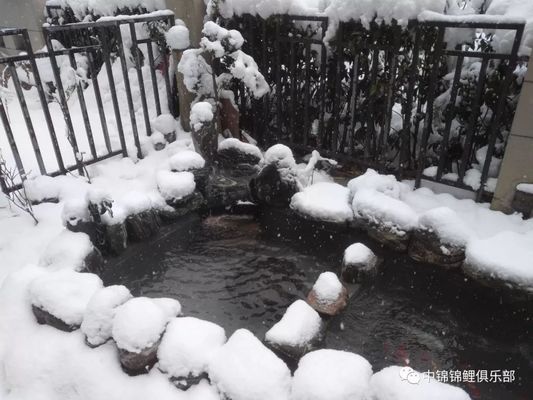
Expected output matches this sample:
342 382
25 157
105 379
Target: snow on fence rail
65 108
430 99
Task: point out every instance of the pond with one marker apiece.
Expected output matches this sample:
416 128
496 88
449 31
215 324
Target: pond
239 273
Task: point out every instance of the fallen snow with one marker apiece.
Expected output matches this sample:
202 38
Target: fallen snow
175 185
187 346
164 123
327 287
64 294
244 369
447 225
246 148
403 383
300 325
357 253
140 322
525 187
324 201
97 322
331 375
201 113
67 250
186 160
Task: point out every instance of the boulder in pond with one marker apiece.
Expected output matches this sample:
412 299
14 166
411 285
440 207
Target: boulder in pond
299 331
239 158
223 191
143 225
328 295
359 264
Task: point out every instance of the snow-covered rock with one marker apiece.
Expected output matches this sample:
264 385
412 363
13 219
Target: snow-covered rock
63 297
241 147
177 37
328 295
158 141
280 155
98 318
244 369
187 345
74 211
403 383
359 263
186 160
175 185
324 201
371 179
164 123
201 114
239 156
331 375
298 331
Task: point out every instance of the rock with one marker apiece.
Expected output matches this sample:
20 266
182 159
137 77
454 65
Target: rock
45 318
143 225
201 177
170 137
238 158
392 238
523 202
426 246
328 296
94 262
116 238
273 187
299 331
92 229
223 191
138 363
359 264
189 203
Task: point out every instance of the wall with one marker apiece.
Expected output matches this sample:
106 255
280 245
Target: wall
27 14
517 165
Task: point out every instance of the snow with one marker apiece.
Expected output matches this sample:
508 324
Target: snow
164 123
140 322
244 369
201 113
64 294
327 287
106 7
186 160
507 256
280 155
357 253
383 210
175 185
67 250
389 384
178 37
447 225
514 9
324 201
246 148
187 346
298 327
371 179
331 375
525 187
98 318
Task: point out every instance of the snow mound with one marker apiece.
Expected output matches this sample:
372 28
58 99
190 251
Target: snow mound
135 202
394 383
331 375
242 147
506 255
186 160
516 9
140 322
67 250
98 318
280 155
383 210
201 113
178 37
75 211
299 325
187 345
386 184
244 369
64 294
358 253
164 123
327 287
324 201
447 225
203 391
175 185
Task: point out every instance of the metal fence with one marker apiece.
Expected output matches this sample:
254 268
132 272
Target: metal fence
370 97
99 44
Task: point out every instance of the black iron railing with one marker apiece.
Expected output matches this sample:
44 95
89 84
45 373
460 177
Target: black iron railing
104 44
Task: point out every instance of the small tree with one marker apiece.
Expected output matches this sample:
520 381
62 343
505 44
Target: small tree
210 72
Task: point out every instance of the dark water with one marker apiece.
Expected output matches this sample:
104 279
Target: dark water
228 270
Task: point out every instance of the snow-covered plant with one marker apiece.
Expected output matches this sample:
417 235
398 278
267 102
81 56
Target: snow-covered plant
18 198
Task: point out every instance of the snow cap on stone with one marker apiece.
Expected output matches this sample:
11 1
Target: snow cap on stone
175 185
327 287
186 160
447 225
331 375
178 37
358 253
325 201
280 155
244 369
98 318
64 294
164 123
247 148
187 345
201 114
75 210
386 184
299 325
67 250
